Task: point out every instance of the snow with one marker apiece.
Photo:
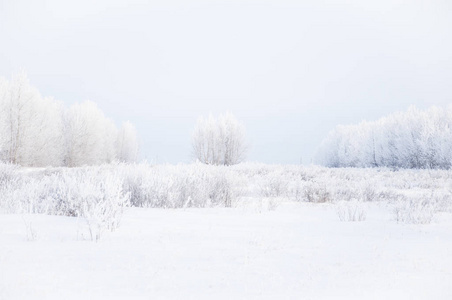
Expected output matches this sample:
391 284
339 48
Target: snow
298 251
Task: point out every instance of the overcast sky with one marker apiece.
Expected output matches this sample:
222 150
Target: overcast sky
289 70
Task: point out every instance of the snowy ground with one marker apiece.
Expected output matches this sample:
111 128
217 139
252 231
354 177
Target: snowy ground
298 251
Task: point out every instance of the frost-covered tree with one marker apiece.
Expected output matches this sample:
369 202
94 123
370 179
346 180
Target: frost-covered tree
412 139
219 141
127 143
30 127
16 106
44 144
90 136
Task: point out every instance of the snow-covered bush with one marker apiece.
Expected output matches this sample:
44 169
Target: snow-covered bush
7 173
345 192
167 186
93 193
8 181
102 203
274 185
443 198
17 192
369 193
317 192
296 190
99 194
415 210
223 189
351 211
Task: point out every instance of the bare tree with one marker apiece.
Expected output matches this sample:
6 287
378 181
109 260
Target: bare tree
219 141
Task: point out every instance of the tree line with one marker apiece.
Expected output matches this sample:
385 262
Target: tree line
37 131
412 139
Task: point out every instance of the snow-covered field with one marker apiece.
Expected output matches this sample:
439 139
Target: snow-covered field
298 251
251 231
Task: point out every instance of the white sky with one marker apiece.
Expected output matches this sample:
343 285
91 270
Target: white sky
290 70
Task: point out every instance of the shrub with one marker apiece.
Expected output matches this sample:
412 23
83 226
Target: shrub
317 193
179 186
415 210
94 194
352 211
274 184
